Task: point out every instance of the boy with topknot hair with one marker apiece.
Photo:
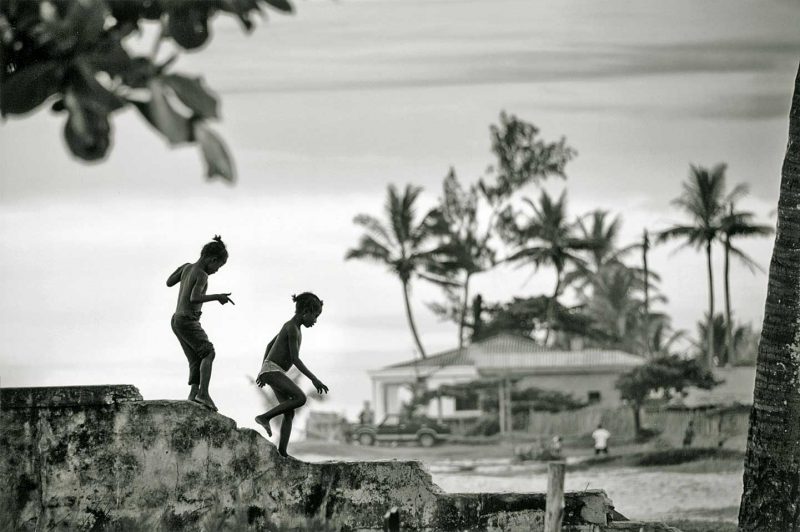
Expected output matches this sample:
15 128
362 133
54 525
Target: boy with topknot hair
198 349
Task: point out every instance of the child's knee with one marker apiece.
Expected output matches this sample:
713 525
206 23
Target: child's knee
301 399
207 352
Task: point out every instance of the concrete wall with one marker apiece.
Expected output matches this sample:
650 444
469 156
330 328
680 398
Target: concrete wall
100 458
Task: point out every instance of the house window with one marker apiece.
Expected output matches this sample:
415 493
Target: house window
467 402
594 396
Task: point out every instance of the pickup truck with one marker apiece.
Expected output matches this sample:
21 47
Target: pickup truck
424 431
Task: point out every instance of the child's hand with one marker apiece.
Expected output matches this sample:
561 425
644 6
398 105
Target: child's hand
260 381
320 387
223 298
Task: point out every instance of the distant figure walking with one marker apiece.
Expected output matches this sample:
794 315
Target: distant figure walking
600 437
555 445
281 354
688 436
198 349
366 416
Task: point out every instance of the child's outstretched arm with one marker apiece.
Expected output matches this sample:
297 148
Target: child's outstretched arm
199 295
295 354
175 278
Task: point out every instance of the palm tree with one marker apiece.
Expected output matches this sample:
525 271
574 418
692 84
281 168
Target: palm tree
734 225
704 200
772 462
464 249
546 237
397 243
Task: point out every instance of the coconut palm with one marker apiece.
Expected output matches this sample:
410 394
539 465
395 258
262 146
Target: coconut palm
704 200
546 237
772 463
397 243
463 249
737 224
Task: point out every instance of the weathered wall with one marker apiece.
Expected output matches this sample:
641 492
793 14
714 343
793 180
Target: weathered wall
99 458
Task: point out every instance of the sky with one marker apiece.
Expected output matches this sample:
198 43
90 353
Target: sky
322 110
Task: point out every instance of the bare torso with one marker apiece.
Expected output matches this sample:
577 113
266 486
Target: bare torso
278 350
191 275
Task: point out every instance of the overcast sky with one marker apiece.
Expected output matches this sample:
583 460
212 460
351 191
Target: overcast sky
322 110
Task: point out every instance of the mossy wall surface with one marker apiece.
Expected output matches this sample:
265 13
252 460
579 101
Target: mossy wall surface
120 463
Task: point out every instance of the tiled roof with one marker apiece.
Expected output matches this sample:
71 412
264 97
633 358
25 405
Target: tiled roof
584 358
507 351
453 357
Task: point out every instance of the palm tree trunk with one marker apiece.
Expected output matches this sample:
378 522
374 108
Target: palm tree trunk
728 355
710 329
551 307
771 496
462 321
645 249
411 320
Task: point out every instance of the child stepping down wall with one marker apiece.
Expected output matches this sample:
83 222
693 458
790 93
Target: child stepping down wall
281 354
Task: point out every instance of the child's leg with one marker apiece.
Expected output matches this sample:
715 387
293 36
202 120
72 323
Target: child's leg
286 431
290 396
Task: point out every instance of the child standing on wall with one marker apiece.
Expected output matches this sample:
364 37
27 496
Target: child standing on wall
281 354
198 349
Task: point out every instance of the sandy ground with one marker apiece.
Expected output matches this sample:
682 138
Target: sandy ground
707 489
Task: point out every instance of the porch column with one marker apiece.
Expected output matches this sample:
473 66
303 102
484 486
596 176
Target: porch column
439 407
501 405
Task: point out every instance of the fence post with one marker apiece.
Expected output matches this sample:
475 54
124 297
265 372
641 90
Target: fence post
554 509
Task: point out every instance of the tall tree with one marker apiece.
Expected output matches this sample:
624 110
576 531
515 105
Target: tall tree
545 237
704 200
771 495
737 224
398 244
466 218
464 249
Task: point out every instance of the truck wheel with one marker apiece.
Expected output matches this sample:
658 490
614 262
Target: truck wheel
426 440
366 439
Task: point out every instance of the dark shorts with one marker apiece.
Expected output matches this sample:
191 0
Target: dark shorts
603 450
194 342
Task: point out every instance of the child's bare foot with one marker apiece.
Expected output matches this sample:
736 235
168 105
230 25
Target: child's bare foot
264 423
285 454
206 401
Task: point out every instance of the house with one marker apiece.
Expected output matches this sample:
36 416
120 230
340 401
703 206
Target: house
509 360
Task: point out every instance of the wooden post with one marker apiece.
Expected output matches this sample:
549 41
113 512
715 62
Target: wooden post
509 411
501 406
554 510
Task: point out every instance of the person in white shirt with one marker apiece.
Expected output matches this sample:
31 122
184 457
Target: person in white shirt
600 437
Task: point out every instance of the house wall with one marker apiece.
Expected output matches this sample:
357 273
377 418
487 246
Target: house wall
390 388
579 385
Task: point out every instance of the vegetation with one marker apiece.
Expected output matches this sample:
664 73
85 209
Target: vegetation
667 375
77 55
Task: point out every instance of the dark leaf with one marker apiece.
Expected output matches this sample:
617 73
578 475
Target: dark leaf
90 91
188 25
28 88
218 161
193 93
87 131
174 126
111 58
140 73
282 5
